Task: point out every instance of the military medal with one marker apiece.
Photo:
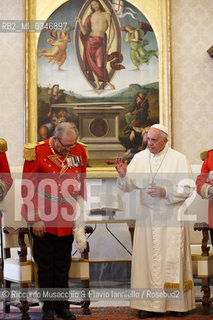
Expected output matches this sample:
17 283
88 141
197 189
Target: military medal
69 162
74 161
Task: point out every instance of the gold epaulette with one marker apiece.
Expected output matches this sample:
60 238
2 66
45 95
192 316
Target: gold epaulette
3 145
29 150
85 147
204 154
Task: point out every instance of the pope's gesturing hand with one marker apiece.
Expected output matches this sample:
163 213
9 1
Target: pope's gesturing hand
121 167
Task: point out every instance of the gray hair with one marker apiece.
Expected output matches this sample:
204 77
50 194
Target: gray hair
164 135
67 127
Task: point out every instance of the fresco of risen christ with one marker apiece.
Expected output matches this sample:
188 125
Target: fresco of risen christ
96 43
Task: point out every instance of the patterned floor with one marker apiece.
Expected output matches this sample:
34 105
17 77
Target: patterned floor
114 310
112 313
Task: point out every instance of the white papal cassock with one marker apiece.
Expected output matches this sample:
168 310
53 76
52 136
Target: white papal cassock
161 261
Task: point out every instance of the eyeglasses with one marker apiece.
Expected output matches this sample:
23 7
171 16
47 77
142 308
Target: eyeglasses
66 146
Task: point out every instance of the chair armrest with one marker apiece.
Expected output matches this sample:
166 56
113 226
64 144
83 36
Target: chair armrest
204 227
23 247
88 230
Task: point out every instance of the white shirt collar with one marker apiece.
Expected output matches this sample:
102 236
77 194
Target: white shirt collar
161 153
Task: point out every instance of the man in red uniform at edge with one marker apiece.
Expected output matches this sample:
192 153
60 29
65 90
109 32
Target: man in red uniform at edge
5 176
54 202
205 184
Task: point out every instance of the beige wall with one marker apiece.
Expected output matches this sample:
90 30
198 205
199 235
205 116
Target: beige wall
192 69
12 83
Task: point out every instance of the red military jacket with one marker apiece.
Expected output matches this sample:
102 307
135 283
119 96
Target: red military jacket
204 181
51 186
5 175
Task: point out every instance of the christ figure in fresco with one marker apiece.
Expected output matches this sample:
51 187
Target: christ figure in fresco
96 43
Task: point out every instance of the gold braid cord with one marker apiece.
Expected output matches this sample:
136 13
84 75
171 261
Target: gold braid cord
187 285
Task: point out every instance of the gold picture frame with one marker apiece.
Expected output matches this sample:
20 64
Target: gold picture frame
156 11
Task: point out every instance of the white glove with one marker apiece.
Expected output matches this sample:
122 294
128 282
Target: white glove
80 238
81 213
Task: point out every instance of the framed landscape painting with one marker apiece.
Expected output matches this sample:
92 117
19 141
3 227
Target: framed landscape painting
102 64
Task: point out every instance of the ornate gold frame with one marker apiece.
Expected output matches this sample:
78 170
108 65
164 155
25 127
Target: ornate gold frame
156 11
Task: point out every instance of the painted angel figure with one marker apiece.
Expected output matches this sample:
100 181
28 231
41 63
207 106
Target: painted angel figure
57 54
135 37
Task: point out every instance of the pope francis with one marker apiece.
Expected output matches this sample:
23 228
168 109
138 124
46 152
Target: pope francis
161 260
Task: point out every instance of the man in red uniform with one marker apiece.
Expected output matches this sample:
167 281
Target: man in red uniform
205 184
5 176
54 194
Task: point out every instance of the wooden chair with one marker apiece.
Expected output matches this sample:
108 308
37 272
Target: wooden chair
20 271
202 259
17 262
202 263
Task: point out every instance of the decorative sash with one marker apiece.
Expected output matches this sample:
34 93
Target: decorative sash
55 198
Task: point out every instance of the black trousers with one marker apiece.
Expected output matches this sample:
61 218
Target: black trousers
53 257
211 235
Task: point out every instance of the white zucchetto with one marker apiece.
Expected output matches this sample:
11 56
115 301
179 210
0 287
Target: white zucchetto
160 127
